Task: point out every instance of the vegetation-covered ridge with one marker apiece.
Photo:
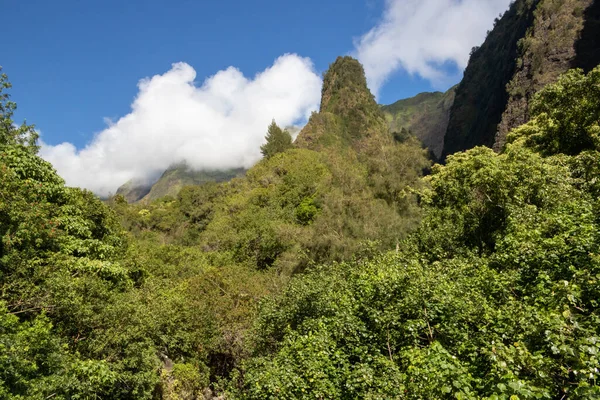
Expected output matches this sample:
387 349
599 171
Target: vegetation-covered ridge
172 181
425 115
178 176
300 206
494 297
332 269
349 114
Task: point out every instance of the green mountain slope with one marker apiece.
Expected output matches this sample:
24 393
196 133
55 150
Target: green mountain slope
344 185
426 116
178 176
171 182
494 297
348 115
133 190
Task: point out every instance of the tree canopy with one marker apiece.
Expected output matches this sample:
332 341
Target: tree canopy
331 269
495 295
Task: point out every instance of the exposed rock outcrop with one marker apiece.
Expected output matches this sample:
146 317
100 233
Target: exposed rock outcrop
548 50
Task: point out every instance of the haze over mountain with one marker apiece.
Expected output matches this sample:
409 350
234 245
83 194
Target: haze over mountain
218 125
172 181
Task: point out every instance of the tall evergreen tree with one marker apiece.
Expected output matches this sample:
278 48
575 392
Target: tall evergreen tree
277 141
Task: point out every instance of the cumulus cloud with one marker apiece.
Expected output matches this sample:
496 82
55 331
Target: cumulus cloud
419 36
220 124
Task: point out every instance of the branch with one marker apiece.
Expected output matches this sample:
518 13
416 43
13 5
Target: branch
388 346
428 326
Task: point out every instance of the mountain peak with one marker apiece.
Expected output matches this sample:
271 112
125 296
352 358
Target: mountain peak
348 109
345 80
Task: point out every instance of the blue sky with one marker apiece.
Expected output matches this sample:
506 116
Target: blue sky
75 63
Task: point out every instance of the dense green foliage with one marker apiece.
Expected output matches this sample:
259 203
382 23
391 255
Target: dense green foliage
59 263
495 296
331 269
565 116
87 311
10 133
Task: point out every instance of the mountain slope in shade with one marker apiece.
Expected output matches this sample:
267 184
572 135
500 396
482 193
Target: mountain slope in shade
481 96
172 180
533 43
134 190
425 115
563 35
178 176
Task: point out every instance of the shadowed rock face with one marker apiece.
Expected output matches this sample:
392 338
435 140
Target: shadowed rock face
530 46
548 50
481 96
587 48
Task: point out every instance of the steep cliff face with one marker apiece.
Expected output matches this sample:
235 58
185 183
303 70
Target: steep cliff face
587 48
533 43
349 114
564 34
426 116
481 96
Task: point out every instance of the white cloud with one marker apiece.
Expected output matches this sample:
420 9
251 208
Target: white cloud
419 36
220 124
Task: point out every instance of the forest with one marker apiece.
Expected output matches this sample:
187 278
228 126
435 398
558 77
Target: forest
343 265
446 246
